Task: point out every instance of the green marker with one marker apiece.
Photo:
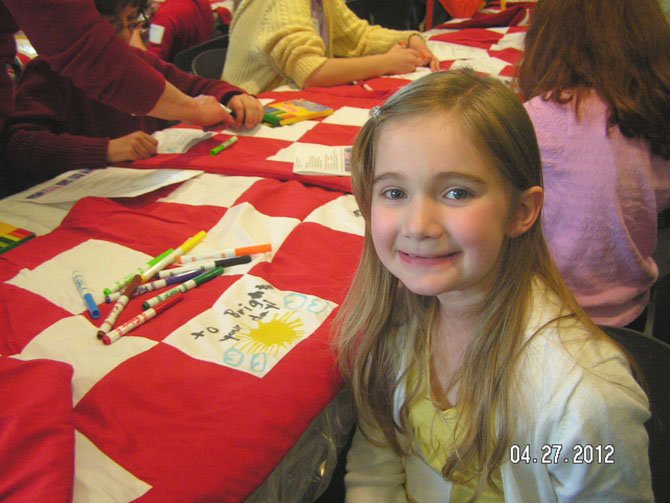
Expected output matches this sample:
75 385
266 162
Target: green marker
120 285
230 141
184 287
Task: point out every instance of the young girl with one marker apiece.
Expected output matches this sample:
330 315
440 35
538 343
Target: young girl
475 374
314 43
602 124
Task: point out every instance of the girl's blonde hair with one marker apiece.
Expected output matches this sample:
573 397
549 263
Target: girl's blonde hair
379 313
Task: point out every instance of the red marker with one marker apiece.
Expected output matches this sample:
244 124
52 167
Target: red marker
140 319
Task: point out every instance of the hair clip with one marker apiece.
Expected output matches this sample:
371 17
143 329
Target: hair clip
375 112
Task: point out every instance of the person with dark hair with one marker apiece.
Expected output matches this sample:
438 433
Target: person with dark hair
76 42
596 76
56 127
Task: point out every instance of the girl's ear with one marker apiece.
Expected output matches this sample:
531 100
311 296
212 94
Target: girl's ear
526 212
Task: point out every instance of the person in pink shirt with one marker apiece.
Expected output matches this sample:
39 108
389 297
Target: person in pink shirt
179 24
596 77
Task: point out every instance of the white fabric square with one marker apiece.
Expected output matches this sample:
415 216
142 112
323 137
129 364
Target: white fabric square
348 116
340 214
211 189
510 41
73 340
290 132
100 478
243 225
53 279
251 327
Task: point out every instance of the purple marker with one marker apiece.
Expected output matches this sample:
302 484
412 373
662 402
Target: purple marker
155 285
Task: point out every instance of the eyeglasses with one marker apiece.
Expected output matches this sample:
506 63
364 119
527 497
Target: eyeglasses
139 21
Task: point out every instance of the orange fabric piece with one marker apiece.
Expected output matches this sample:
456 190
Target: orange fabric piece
461 8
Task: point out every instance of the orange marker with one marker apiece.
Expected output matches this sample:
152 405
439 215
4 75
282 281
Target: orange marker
228 253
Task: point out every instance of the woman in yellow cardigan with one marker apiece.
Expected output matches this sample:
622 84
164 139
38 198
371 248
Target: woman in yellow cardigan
314 43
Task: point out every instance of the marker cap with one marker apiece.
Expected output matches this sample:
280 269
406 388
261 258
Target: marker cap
92 306
217 271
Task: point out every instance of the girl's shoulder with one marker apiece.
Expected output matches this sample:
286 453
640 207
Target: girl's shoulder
561 352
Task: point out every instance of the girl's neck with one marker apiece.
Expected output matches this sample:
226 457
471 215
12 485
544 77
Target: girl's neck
451 334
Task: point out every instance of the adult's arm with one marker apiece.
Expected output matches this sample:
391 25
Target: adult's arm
77 43
37 145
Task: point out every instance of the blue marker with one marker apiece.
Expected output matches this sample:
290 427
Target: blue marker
86 295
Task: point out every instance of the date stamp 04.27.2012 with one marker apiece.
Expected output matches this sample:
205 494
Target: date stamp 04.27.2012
583 454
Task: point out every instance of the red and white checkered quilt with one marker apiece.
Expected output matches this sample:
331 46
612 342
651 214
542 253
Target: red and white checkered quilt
204 401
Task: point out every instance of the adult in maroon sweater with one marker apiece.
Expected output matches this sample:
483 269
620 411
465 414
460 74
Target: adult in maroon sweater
56 127
178 25
77 43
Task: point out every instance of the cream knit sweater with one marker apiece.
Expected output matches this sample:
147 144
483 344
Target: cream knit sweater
274 42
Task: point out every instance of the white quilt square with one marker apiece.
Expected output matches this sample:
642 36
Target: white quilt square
340 214
243 225
100 478
212 190
73 340
101 264
251 327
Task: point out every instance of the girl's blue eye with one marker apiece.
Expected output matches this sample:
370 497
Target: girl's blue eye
394 194
458 194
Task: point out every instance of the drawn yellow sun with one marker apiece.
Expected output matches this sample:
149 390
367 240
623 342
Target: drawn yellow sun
278 333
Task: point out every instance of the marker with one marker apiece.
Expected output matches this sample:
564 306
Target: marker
119 306
205 266
169 259
217 150
86 295
138 320
184 287
155 285
120 285
227 253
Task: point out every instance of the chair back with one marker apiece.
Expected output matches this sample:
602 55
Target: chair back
660 327
209 64
653 358
184 59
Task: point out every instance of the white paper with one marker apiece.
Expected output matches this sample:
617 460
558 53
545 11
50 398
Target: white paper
179 140
446 51
313 159
107 182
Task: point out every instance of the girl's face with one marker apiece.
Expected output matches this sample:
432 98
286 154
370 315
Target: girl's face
439 210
